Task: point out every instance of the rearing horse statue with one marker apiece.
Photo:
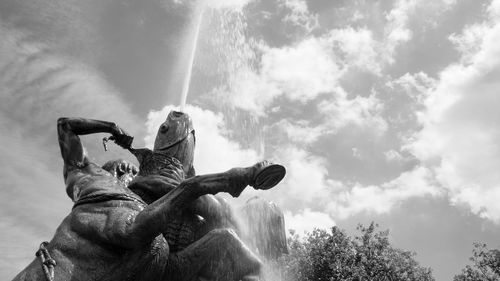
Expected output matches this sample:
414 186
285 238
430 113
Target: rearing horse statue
112 233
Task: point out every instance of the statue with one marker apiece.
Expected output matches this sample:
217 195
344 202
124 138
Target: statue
113 234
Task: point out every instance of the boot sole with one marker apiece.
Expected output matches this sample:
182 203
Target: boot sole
269 176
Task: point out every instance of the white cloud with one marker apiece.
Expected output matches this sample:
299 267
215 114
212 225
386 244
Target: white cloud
300 73
417 86
250 92
358 47
393 155
359 111
356 153
467 41
299 14
309 70
460 139
303 71
399 27
470 41
307 221
337 113
306 179
494 10
309 185
282 75
313 65
300 131
381 199
397 30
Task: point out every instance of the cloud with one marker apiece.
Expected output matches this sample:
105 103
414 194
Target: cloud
299 73
467 41
307 220
360 111
299 14
460 136
303 71
393 155
404 99
358 47
416 86
408 16
305 75
396 30
382 198
306 181
300 131
259 74
308 184
494 10
336 113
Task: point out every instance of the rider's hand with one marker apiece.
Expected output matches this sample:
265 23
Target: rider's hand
121 138
123 170
125 167
121 167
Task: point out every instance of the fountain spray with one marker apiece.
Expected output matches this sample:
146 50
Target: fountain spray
261 222
187 79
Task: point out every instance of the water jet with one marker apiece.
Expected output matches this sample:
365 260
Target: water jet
187 78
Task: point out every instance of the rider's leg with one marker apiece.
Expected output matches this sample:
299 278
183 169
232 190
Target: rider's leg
153 220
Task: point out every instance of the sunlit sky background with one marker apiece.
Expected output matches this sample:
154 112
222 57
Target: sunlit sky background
382 111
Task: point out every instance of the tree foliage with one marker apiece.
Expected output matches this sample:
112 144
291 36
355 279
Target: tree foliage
329 256
485 265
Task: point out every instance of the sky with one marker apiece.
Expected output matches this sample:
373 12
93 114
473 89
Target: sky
381 111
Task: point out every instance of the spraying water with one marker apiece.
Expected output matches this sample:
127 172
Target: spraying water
199 14
221 48
187 78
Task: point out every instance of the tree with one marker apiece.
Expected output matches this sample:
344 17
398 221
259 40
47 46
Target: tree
485 265
330 256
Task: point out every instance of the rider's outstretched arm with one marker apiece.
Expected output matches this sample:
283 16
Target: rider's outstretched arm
72 150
